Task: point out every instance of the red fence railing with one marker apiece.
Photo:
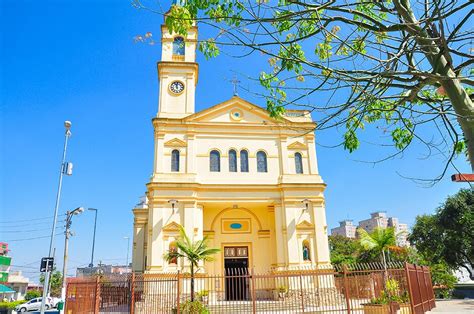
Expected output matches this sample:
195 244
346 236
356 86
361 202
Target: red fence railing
339 289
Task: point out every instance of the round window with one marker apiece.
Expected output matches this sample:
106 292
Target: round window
236 114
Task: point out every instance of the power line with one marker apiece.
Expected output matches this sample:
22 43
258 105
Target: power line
27 239
24 220
30 230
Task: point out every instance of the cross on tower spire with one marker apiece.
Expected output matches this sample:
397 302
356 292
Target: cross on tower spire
235 82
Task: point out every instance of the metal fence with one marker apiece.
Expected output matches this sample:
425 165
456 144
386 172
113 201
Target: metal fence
339 289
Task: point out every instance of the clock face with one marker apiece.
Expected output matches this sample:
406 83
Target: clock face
177 87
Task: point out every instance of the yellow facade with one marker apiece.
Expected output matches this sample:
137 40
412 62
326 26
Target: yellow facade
265 213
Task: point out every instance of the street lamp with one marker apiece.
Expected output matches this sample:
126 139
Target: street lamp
67 233
128 249
93 238
65 168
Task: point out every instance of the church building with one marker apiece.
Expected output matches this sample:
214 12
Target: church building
248 182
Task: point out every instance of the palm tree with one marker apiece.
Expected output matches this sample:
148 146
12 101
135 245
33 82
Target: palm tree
379 241
193 251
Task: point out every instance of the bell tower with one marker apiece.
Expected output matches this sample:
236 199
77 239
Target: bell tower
177 73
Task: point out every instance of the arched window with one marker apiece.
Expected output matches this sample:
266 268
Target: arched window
298 163
261 162
175 160
215 161
173 248
178 46
232 161
244 161
306 251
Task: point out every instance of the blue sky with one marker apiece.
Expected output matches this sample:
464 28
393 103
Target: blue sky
78 61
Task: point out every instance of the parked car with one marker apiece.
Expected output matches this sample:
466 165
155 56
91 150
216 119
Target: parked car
33 305
54 301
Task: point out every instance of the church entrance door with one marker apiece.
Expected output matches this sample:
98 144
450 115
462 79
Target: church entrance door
236 273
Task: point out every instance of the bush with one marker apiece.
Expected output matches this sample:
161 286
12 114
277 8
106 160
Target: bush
31 294
193 307
10 305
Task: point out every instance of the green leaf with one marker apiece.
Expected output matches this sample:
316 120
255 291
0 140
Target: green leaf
351 142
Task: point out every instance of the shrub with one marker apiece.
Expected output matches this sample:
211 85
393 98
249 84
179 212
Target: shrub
10 305
193 307
31 294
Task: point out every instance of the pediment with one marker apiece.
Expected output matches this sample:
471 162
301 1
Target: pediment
171 227
297 145
305 225
176 142
235 110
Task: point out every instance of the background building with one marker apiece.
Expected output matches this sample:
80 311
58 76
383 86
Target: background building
377 220
102 269
19 283
5 262
346 229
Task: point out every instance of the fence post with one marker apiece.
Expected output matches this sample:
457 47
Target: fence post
432 295
419 288
178 292
97 295
410 287
302 294
253 292
346 288
132 292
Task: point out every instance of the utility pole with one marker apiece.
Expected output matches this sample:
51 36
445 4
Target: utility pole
64 169
67 234
128 249
93 238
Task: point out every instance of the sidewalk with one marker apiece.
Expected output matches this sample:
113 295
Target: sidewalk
454 306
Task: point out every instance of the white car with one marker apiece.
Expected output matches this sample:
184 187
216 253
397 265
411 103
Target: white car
32 305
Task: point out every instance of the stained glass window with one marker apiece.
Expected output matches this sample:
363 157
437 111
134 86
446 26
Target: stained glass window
244 161
232 160
215 161
261 162
298 163
178 46
175 160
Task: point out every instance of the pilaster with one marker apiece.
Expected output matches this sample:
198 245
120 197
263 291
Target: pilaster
280 242
313 163
139 233
283 155
321 235
155 238
291 235
191 154
159 151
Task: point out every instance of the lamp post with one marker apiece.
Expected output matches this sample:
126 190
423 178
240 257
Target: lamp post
64 169
67 233
93 238
128 249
